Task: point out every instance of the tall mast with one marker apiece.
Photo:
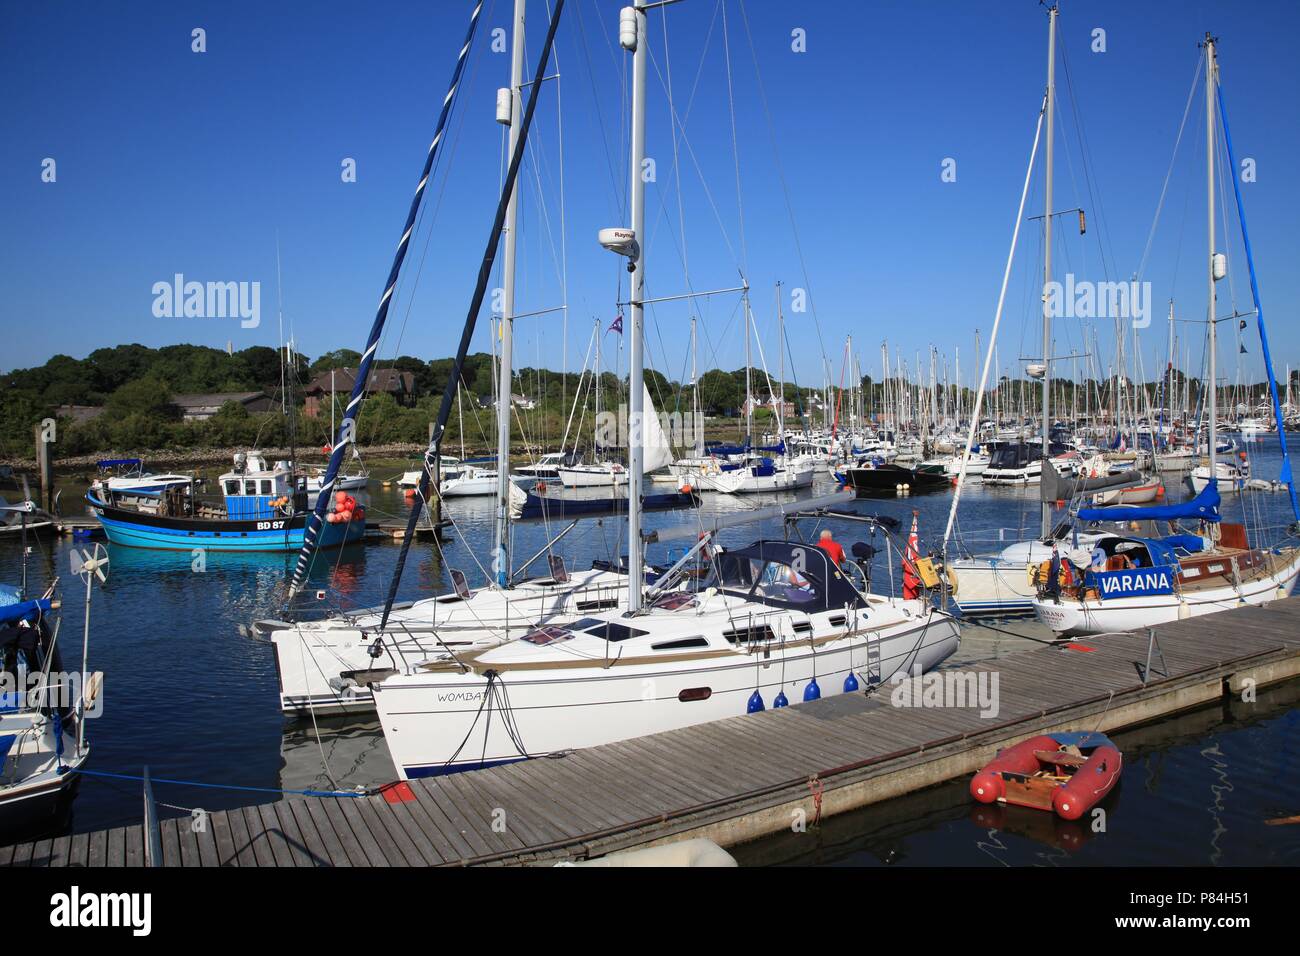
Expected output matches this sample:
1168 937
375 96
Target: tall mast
780 344
1209 196
501 539
697 428
632 36
749 388
1047 256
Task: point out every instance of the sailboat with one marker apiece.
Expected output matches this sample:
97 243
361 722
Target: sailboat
42 727
1134 581
328 666
706 641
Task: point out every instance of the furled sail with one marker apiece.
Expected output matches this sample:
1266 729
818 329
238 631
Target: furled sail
1204 506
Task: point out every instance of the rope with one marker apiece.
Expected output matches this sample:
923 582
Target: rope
351 794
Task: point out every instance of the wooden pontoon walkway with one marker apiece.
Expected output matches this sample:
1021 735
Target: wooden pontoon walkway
731 781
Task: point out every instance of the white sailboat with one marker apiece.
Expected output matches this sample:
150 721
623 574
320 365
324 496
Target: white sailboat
690 650
1136 582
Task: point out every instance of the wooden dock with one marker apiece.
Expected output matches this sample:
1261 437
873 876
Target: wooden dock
731 781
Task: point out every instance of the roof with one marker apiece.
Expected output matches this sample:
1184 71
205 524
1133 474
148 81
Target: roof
381 380
215 398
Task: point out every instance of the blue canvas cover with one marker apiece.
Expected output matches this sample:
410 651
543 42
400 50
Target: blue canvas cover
1204 506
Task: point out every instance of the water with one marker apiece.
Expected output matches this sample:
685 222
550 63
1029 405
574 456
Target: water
1197 790
194 700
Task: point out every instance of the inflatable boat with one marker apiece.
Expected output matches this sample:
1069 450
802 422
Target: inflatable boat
1068 773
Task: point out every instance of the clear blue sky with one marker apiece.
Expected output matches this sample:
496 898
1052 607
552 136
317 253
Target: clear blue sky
172 161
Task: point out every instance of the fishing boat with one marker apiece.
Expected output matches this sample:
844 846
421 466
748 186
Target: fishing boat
1067 773
260 510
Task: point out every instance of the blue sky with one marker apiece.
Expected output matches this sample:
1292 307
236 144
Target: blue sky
170 161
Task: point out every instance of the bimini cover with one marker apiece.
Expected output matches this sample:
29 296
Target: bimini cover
1204 506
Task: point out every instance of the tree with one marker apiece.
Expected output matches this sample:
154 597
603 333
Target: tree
147 396
339 358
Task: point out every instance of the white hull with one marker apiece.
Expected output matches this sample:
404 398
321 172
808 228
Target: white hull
1134 613
322 665
743 481
1135 495
433 723
992 586
593 477
1231 479
1031 474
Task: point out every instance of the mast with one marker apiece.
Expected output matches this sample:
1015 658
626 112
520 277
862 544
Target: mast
1046 528
749 390
780 344
697 428
347 425
501 538
1209 196
632 37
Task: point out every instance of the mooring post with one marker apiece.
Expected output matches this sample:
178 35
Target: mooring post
44 469
152 835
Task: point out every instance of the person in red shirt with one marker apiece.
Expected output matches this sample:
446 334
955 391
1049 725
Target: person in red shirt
828 544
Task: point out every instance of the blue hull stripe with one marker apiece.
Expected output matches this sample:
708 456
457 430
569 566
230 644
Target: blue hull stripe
442 770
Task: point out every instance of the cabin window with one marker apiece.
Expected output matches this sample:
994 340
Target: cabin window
611 631
267 486
680 645
547 635
744 635
695 693
232 487
250 486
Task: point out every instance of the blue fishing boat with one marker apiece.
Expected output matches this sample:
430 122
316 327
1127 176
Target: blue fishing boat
262 509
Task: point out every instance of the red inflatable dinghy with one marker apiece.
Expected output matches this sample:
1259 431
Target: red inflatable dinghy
1069 773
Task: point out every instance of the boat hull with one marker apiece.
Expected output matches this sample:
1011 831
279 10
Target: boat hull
137 530
1075 618
433 724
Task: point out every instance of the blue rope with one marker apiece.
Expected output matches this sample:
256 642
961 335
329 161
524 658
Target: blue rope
221 786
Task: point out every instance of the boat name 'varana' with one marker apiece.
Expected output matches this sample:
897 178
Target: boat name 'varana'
1154 581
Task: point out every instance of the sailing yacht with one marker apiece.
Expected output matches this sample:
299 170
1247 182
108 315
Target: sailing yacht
704 643
771 623
1136 582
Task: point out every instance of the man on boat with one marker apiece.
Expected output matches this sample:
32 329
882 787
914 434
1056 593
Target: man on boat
832 548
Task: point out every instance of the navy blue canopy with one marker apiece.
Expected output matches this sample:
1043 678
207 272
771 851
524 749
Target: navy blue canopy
1204 506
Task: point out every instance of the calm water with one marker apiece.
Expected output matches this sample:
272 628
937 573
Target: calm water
191 698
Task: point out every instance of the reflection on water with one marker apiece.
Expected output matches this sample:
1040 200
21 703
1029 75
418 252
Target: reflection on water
1197 789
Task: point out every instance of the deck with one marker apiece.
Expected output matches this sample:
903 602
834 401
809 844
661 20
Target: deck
731 781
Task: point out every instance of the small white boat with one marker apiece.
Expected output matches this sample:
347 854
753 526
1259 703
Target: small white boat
126 476
600 475
1232 476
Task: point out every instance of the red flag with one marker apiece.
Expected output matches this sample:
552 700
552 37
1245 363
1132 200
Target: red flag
911 582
